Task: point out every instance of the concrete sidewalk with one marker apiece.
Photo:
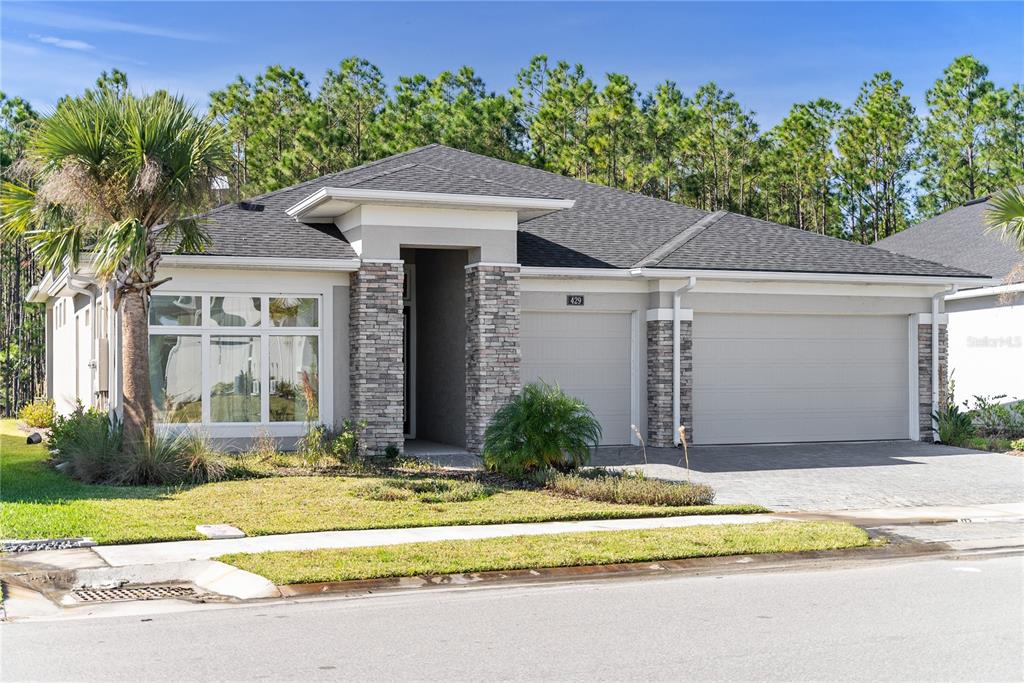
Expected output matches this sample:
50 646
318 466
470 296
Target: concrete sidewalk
180 551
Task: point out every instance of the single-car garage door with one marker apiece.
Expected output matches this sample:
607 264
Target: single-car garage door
779 378
588 355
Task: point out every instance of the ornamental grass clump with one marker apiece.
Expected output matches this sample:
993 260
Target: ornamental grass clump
628 488
541 428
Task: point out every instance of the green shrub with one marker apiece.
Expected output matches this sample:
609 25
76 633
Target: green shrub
38 413
629 489
997 418
429 490
346 441
320 442
88 442
200 462
955 428
1017 445
541 428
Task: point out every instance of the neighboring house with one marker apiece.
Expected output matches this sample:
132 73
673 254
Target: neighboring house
420 291
986 324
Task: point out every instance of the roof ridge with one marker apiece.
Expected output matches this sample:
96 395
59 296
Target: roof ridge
481 178
381 174
568 177
343 172
663 250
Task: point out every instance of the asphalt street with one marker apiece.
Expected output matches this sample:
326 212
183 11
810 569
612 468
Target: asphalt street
912 620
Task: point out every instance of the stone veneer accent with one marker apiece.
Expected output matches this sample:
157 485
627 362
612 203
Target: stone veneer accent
660 425
492 345
377 354
924 376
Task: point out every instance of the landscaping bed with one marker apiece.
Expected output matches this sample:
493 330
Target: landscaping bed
40 502
556 550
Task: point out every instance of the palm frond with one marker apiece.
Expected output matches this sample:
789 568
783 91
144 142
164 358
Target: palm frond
1006 214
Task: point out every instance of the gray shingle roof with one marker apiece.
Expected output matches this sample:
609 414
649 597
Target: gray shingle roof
958 238
606 228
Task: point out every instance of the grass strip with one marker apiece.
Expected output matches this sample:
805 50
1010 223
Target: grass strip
38 502
557 550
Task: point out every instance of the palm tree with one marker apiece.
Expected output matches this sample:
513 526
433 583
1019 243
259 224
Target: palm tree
1006 213
118 175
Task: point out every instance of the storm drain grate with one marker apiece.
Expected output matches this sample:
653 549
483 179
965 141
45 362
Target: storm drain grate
132 593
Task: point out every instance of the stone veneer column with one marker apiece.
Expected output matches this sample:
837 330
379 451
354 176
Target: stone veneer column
661 428
924 376
492 345
377 354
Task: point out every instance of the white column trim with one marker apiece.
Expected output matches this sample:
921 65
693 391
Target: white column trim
666 314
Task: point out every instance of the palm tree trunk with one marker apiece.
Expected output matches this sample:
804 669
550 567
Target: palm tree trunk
138 393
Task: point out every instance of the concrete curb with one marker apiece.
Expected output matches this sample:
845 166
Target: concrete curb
697 565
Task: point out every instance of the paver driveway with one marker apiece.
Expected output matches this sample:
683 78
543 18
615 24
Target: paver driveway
838 476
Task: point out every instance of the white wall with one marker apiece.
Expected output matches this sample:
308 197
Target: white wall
65 373
986 352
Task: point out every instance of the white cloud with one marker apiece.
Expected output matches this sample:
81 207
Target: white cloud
78 22
66 43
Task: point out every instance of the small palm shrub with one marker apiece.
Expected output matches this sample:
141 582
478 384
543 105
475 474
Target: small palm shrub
541 428
628 489
955 428
38 413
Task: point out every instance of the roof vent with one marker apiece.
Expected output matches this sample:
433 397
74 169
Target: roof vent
249 206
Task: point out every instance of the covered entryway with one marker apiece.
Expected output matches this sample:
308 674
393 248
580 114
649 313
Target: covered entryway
761 378
589 356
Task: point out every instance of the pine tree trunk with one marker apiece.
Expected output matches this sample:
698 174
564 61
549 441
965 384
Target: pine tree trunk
138 393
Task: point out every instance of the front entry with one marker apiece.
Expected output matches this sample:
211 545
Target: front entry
434 314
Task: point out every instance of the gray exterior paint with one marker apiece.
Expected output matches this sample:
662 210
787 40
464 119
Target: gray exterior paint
340 296
440 344
960 238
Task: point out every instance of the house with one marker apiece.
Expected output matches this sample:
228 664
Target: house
986 323
420 291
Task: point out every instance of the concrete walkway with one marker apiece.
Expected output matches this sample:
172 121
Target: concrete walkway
181 551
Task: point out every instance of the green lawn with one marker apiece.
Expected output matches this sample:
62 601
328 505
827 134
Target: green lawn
559 550
38 502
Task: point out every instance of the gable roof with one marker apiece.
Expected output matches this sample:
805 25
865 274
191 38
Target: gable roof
605 228
960 238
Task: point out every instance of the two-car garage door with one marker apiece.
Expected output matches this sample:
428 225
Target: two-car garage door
779 378
757 378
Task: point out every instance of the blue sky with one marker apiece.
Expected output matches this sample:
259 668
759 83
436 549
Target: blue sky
770 54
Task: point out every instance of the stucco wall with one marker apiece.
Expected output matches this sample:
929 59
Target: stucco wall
986 352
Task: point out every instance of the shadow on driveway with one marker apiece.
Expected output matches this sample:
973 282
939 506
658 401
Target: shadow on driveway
795 456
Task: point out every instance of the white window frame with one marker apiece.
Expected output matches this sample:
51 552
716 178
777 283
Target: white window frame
263 331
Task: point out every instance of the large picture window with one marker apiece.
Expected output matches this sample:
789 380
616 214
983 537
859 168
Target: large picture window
235 359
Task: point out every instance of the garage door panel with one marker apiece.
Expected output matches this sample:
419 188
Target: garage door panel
806 401
744 375
776 378
588 356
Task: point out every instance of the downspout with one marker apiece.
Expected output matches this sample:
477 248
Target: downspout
677 298
935 355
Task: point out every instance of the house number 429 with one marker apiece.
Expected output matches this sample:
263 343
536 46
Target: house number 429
574 300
